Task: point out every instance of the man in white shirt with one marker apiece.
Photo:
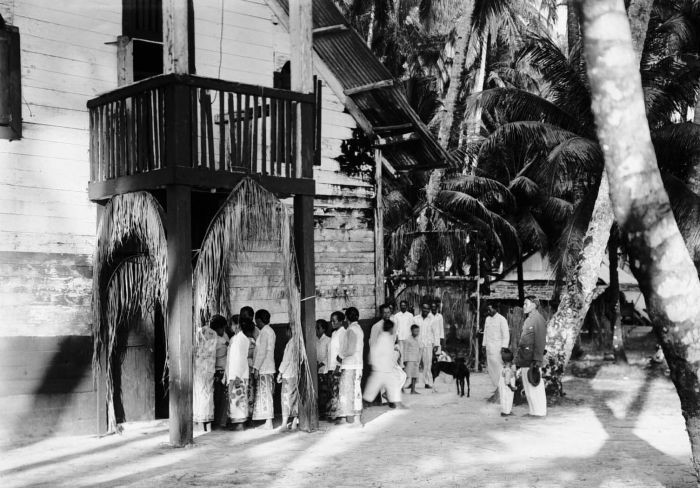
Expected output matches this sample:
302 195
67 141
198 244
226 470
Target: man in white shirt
496 337
264 369
378 326
426 338
403 320
438 326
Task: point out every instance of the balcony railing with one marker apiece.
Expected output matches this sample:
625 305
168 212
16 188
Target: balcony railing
205 124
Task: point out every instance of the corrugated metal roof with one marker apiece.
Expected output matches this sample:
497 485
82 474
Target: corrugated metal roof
354 66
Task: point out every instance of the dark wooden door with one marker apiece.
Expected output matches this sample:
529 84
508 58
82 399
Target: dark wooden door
138 373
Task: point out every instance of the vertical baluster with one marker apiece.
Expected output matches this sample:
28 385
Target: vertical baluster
293 146
149 133
161 116
239 128
288 114
194 114
133 136
118 138
246 134
256 117
232 133
92 145
202 129
110 173
101 122
141 131
222 133
210 131
263 146
273 135
153 113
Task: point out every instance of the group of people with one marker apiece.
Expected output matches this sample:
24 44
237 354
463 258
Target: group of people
235 372
401 350
504 367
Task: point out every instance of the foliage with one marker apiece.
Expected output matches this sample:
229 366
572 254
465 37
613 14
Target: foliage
357 157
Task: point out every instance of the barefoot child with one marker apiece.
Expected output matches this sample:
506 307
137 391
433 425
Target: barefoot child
506 382
411 358
289 377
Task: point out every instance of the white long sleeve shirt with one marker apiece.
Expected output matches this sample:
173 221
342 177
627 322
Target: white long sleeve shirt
426 335
382 353
496 332
289 367
237 358
438 328
403 321
352 346
264 359
322 344
334 345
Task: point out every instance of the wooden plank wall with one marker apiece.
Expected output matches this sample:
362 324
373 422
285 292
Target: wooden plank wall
47 224
344 232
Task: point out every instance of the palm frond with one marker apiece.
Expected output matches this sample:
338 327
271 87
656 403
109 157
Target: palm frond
491 192
677 149
686 210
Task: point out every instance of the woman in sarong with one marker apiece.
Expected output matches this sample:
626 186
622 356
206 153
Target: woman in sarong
333 374
288 375
237 375
264 370
204 369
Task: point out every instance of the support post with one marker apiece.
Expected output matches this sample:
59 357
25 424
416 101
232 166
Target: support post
180 326
302 80
176 43
379 288
101 390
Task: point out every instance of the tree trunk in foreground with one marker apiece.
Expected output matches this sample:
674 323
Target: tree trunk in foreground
660 260
616 343
565 326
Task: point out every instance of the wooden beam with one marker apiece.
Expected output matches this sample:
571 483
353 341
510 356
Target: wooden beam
394 140
226 180
369 87
395 129
379 288
153 180
330 29
176 36
180 326
125 61
302 80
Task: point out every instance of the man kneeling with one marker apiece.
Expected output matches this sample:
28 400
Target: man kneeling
383 372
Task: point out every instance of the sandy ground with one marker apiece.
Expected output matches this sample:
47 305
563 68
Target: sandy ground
620 428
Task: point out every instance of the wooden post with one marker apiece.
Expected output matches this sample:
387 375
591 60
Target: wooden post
180 326
176 43
125 61
101 392
379 288
478 307
302 80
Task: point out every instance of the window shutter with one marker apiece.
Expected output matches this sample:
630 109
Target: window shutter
10 84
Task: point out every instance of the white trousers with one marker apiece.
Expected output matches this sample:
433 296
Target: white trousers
379 380
494 363
506 395
426 354
536 397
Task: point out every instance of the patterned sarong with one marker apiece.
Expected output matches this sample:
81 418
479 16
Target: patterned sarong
203 380
332 404
238 409
251 395
290 397
323 394
264 408
350 393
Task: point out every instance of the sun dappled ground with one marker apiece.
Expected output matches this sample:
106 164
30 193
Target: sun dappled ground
620 428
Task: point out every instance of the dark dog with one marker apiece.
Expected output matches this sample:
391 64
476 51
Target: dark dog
458 370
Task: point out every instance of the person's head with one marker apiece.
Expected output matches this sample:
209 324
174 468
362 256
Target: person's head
321 327
352 314
530 303
424 309
415 330
388 326
403 306
218 324
247 313
262 318
435 307
392 306
506 355
234 325
337 319
386 311
248 328
490 311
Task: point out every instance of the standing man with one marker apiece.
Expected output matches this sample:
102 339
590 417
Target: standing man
426 338
403 320
438 326
496 337
264 369
529 357
377 328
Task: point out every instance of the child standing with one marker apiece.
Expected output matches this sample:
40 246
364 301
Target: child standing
289 377
506 382
411 357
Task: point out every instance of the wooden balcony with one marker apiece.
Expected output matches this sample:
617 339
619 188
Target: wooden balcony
201 132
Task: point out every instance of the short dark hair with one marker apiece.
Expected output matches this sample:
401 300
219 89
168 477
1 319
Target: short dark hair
533 299
263 315
424 304
323 324
247 311
437 301
385 305
506 355
404 301
217 322
235 319
338 315
415 326
352 314
388 324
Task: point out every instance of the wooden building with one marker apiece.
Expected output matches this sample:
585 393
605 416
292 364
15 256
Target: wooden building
67 158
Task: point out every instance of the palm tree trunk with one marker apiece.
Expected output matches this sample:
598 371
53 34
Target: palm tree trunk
521 281
370 31
475 128
660 260
565 325
573 29
638 13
